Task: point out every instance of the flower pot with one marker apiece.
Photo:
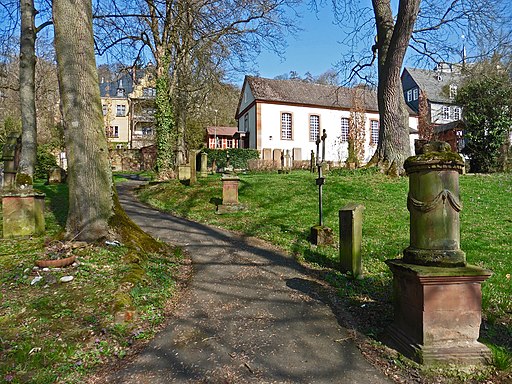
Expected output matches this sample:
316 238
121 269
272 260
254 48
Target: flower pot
58 263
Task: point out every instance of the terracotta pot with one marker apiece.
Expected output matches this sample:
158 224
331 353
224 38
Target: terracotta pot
58 263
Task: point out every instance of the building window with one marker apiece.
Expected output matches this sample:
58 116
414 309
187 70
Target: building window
374 132
314 127
119 146
446 113
286 126
105 109
147 131
229 143
112 131
344 129
149 92
409 95
120 110
453 91
120 92
246 122
456 113
415 94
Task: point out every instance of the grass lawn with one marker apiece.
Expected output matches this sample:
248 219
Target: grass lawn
58 332
282 208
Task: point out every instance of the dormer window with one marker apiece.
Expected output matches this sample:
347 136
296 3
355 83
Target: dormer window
120 92
453 91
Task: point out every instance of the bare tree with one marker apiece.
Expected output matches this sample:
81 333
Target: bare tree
192 42
432 31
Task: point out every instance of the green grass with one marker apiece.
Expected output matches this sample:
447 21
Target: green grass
282 208
53 331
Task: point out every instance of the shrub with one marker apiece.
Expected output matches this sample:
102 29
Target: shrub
238 157
44 162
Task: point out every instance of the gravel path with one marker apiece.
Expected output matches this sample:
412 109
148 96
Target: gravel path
250 314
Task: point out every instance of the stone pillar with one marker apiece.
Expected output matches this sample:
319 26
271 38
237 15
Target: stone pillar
56 175
229 194
23 214
192 160
351 234
437 296
204 165
312 163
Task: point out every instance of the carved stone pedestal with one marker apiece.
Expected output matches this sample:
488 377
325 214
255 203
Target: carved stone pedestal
230 195
321 235
23 214
437 313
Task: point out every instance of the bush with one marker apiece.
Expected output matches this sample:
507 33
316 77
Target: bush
238 157
44 162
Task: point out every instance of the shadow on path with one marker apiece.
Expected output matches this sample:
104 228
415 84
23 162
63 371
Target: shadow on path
250 314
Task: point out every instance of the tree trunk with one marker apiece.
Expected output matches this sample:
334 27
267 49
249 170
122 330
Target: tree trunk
392 41
89 172
27 89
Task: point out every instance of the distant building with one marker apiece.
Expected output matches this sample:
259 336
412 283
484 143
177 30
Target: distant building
128 105
439 88
222 137
290 114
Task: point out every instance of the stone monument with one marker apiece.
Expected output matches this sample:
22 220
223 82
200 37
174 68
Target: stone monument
22 206
204 165
437 295
351 235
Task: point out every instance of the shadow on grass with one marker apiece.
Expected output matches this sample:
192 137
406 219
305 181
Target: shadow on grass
57 201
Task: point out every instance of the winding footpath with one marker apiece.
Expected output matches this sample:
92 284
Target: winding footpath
250 314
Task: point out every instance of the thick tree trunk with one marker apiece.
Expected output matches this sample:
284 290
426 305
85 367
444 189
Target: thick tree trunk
27 88
89 172
392 41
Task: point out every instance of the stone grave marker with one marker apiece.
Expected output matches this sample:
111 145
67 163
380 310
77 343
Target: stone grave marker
437 295
351 234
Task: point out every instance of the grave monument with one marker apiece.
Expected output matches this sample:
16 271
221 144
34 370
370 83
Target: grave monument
437 295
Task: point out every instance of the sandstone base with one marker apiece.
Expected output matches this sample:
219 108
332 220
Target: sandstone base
438 313
230 208
23 214
321 235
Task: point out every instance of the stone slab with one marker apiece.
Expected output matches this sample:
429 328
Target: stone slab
23 214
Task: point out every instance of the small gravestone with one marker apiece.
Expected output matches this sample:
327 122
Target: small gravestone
204 165
287 161
312 163
184 172
351 234
56 175
267 154
276 156
297 154
192 161
437 295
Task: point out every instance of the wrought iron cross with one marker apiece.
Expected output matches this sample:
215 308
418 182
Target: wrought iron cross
320 180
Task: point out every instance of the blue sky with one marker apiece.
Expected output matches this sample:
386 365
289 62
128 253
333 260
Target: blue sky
314 49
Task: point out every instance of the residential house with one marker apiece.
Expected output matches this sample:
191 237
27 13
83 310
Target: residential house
128 105
291 114
222 137
439 88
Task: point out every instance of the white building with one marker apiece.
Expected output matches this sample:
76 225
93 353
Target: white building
289 115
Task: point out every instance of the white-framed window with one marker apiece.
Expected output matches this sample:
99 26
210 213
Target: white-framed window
314 127
415 94
446 113
456 113
345 124
229 143
453 91
121 110
149 92
374 132
286 126
409 95
104 109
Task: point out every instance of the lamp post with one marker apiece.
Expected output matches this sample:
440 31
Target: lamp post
215 127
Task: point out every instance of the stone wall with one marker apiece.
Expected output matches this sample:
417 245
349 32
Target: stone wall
133 159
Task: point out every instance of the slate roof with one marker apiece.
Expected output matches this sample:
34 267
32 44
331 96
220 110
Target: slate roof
311 94
109 89
435 84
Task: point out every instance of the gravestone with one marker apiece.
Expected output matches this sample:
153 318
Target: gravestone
184 172
267 154
287 161
297 154
230 202
56 175
351 234
276 157
437 295
192 156
312 163
204 165
10 157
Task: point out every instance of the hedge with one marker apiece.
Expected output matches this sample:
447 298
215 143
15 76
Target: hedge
238 157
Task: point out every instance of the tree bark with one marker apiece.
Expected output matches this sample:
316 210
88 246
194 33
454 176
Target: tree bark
392 41
89 172
27 88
